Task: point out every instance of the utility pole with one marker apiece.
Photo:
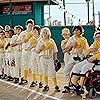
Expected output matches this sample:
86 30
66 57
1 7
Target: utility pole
49 19
87 1
10 15
93 12
99 16
64 13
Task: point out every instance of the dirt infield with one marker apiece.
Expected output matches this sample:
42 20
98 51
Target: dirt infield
11 91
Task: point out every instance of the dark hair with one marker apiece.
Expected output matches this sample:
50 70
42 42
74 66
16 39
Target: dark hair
37 27
98 29
29 21
2 32
96 33
79 28
11 30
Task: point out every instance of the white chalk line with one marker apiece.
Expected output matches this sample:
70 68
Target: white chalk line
32 91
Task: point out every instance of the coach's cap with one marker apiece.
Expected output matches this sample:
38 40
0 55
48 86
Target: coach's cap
65 31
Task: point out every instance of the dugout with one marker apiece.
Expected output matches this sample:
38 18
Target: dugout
14 12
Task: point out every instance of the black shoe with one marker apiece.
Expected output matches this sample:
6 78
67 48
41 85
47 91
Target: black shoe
33 84
78 90
66 89
1 76
81 91
23 82
40 85
16 80
46 88
4 76
10 78
57 89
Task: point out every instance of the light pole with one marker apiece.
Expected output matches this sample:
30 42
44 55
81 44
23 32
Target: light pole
87 1
99 16
93 12
10 15
49 19
64 13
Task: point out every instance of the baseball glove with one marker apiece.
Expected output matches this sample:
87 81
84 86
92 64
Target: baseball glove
57 65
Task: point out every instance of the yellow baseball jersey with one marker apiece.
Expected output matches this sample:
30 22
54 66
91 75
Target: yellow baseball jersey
2 43
81 42
8 40
10 49
96 56
32 40
95 45
49 47
27 36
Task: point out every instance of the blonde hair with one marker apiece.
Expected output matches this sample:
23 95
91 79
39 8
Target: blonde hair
45 29
65 30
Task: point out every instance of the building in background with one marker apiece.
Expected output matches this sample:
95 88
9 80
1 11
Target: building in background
14 12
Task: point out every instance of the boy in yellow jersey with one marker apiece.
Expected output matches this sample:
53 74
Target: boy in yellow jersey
47 50
81 68
35 61
66 35
75 46
2 53
23 39
17 53
7 69
10 54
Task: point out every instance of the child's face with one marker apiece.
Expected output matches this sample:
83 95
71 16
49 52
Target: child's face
66 35
2 36
29 26
97 37
77 32
36 33
18 31
45 35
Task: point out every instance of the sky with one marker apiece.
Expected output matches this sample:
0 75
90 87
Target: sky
79 11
